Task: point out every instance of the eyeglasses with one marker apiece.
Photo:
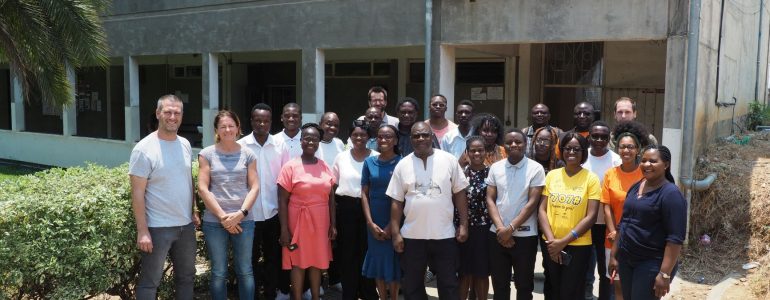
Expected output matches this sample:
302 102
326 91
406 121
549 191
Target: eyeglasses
582 114
438 105
310 138
386 136
543 142
421 135
626 147
572 149
600 137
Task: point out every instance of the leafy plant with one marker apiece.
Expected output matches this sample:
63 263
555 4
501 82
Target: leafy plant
759 114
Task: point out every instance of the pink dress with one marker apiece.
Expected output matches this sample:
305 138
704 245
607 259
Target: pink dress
309 187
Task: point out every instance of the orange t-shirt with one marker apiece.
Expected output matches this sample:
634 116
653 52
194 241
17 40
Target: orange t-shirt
616 184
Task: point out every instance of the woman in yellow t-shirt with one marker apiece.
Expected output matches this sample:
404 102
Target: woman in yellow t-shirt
616 183
568 208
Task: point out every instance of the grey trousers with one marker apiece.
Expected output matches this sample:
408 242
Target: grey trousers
179 243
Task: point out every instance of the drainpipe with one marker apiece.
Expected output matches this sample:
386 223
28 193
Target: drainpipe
688 122
700 185
428 57
759 45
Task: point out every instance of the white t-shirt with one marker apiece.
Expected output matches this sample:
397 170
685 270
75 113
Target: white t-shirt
328 151
454 142
269 162
167 166
426 190
599 165
347 174
292 146
512 183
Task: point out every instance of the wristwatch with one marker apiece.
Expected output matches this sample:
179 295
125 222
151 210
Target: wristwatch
244 212
665 276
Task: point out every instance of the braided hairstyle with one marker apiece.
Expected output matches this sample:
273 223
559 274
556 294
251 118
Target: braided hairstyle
665 155
552 159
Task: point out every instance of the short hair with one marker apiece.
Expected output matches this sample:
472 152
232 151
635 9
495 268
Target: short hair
599 123
472 139
484 118
439 95
621 99
395 132
359 124
313 125
377 89
408 100
516 130
466 102
290 105
262 106
226 113
170 97
581 140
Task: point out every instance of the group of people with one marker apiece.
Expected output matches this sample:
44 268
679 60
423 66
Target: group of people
405 199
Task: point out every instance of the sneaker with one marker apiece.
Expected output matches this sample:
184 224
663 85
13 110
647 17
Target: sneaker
429 276
307 295
281 296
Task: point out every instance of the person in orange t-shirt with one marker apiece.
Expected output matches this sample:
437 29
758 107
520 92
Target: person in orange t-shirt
616 183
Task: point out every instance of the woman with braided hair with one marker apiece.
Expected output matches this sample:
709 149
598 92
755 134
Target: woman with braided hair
543 148
652 229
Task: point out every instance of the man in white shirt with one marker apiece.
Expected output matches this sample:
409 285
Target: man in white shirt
454 140
427 186
378 97
160 170
267 229
330 144
514 186
290 136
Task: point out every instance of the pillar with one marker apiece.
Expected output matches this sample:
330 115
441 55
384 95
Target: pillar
70 111
131 101
17 104
312 81
443 76
210 97
676 50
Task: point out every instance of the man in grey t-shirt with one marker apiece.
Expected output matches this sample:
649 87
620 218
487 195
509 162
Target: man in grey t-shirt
162 199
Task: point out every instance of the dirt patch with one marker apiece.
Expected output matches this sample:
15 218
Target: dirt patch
734 212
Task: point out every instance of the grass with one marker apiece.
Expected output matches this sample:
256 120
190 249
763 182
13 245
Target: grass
11 172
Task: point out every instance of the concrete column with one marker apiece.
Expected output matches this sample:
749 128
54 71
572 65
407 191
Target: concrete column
70 112
403 73
676 52
313 80
17 104
511 118
131 102
524 81
210 96
443 76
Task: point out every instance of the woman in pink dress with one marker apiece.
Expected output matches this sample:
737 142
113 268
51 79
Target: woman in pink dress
306 210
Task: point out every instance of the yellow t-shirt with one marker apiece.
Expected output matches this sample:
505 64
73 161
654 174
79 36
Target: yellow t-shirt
568 201
616 184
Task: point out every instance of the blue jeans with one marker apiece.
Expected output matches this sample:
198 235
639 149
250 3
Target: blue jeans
638 278
217 239
179 243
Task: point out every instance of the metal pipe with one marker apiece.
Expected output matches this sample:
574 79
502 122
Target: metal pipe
700 185
688 122
759 48
428 56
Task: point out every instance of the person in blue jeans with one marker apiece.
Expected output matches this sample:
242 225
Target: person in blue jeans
229 184
651 231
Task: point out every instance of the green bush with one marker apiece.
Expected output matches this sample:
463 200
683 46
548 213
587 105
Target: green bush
759 114
67 234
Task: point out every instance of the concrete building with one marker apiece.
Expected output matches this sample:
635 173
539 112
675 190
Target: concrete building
505 55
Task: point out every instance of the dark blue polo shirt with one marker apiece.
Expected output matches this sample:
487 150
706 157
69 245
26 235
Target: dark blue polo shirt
649 222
